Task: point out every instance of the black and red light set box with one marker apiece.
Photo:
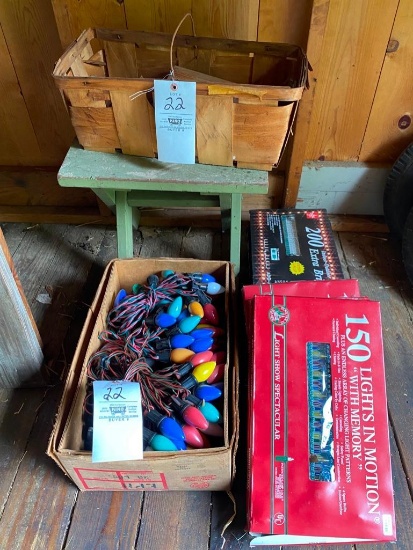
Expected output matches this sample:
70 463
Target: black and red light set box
292 245
319 458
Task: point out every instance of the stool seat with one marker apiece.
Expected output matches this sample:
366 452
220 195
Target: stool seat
126 183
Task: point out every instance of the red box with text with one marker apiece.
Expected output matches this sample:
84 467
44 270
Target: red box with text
319 459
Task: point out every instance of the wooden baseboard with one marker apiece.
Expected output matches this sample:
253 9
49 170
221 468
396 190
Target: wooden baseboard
171 217
53 214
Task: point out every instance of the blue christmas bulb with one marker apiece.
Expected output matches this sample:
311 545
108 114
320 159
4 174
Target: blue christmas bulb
202 333
201 344
207 278
208 392
183 315
180 444
202 277
164 320
120 297
181 340
158 442
167 426
210 412
175 307
166 273
189 323
214 288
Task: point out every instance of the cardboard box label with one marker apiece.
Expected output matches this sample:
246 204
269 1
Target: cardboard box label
126 480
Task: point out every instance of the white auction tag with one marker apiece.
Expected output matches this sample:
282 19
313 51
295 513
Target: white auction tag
175 116
117 421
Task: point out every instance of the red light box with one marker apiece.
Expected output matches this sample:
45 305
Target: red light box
319 459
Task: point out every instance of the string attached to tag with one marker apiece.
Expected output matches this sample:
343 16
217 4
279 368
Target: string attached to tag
171 74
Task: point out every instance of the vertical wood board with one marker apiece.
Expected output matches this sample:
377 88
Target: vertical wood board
285 21
17 136
355 40
21 357
259 132
121 60
30 31
219 18
84 121
158 15
184 524
73 16
300 132
9 259
40 499
132 123
387 135
236 19
214 130
102 517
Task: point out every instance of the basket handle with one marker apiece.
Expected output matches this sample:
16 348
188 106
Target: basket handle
173 39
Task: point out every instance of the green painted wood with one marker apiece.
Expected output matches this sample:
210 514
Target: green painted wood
124 225
235 235
109 171
107 196
225 202
171 199
130 182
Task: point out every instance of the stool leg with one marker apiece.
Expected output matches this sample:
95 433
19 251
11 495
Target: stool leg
232 202
124 225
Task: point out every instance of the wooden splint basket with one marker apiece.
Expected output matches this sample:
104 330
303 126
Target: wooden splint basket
247 93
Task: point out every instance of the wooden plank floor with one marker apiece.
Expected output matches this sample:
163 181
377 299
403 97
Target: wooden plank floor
41 508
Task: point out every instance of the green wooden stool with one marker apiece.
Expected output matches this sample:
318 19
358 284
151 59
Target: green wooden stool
126 183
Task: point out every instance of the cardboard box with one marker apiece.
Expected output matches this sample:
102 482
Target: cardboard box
319 457
205 469
292 245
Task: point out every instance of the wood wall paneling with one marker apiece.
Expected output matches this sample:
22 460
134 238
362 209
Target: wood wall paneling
355 41
29 187
227 18
297 146
158 15
237 19
390 127
31 35
285 21
73 16
17 136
